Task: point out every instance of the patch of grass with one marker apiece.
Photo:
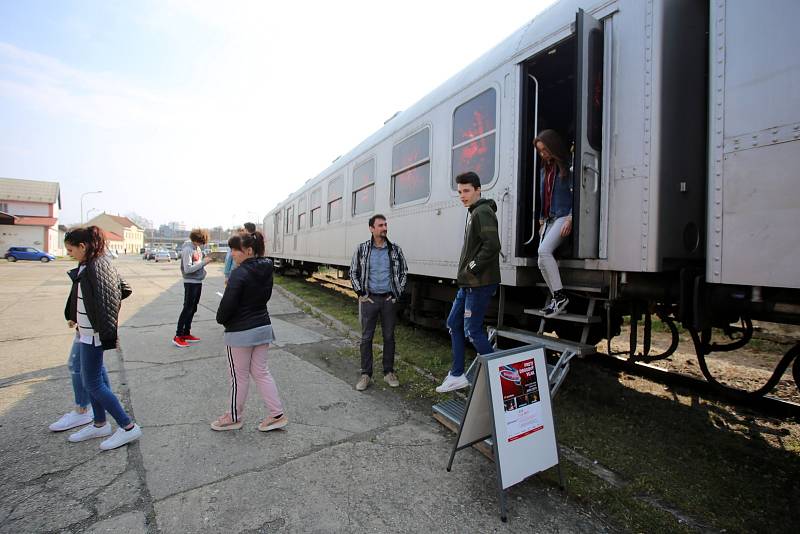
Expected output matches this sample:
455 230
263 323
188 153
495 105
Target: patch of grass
713 464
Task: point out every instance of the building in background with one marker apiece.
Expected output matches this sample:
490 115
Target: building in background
115 242
132 237
29 212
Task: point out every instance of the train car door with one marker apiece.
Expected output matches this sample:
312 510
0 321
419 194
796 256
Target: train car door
588 135
277 229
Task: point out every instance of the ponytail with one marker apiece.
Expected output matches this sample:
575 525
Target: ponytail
91 236
243 240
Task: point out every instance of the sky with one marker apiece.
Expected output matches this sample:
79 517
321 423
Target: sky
209 112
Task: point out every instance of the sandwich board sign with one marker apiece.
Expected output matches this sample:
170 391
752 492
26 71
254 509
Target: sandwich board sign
510 403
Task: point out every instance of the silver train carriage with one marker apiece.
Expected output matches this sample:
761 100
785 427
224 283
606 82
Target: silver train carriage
684 118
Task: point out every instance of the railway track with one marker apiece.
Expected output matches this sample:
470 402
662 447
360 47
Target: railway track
766 404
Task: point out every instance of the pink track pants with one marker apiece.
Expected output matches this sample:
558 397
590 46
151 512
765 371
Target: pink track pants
245 362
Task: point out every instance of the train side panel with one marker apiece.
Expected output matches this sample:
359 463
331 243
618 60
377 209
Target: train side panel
754 144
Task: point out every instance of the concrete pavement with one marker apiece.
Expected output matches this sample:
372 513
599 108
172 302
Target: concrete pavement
348 461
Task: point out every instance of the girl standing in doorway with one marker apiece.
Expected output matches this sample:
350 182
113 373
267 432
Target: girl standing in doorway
555 213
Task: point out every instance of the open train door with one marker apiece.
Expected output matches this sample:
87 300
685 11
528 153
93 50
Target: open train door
588 135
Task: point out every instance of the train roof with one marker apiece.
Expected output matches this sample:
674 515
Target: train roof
553 20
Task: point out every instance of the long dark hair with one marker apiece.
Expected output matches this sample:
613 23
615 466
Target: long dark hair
555 144
254 240
91 236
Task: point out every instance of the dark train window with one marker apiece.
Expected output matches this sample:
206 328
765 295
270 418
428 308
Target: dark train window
364 187
411 168
290 219
335 191
301 213
316 208
474 137
594 102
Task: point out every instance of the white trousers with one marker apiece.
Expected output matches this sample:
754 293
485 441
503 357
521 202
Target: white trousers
548 242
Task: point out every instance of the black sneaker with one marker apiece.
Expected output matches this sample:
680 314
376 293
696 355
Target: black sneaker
548 308
557 305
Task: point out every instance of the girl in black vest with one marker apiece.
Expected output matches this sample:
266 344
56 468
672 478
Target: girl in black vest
93 306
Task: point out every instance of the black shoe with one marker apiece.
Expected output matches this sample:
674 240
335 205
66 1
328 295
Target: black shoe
558 304
548 308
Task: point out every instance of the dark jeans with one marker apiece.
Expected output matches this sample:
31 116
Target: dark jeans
384 308
103 399
466 322
191 298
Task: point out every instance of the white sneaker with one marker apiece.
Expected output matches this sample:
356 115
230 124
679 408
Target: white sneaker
90 432
452 383
121 437
71 420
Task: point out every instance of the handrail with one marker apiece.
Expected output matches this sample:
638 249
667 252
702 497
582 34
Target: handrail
535 154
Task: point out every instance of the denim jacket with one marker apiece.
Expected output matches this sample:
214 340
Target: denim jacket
561 201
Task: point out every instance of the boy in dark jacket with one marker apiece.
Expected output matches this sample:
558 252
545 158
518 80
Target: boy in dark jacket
478 278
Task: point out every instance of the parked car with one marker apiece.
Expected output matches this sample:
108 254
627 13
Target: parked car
162 255
173 254
28 253
150 255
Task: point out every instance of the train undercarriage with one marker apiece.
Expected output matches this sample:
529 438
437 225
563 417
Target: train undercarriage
601 300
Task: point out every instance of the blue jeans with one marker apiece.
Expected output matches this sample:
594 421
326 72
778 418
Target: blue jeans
82 398
466 321
101 396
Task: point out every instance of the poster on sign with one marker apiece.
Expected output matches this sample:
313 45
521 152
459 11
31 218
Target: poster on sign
521 399
522 412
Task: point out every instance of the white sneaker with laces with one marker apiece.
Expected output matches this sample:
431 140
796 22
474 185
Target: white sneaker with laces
90 432
452 383
71 420
121 437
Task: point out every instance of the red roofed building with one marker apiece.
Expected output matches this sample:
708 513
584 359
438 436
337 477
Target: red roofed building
29 214
114 242
121 228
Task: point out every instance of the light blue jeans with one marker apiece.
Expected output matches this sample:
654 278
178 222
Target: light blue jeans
82 398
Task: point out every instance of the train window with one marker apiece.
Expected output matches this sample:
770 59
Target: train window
290 220
594 104
364 187
301 213
474 137
411 168
335 190
316 207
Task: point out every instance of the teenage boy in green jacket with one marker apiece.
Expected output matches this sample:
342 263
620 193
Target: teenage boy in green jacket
478 278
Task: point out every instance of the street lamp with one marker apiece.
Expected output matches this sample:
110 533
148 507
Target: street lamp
83 195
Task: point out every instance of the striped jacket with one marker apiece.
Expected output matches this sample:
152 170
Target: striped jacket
359 268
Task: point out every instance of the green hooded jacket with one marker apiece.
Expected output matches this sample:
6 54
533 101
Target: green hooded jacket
480 256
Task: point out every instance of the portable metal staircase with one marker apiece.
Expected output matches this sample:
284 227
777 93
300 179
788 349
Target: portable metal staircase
451 412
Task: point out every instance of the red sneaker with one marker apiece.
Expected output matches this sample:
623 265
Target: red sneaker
179 342
191 339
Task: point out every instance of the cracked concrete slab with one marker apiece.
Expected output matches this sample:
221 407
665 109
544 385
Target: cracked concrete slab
129 523
348 461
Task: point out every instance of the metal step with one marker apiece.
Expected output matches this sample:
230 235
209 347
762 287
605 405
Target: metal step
571 317
526 336
584 289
